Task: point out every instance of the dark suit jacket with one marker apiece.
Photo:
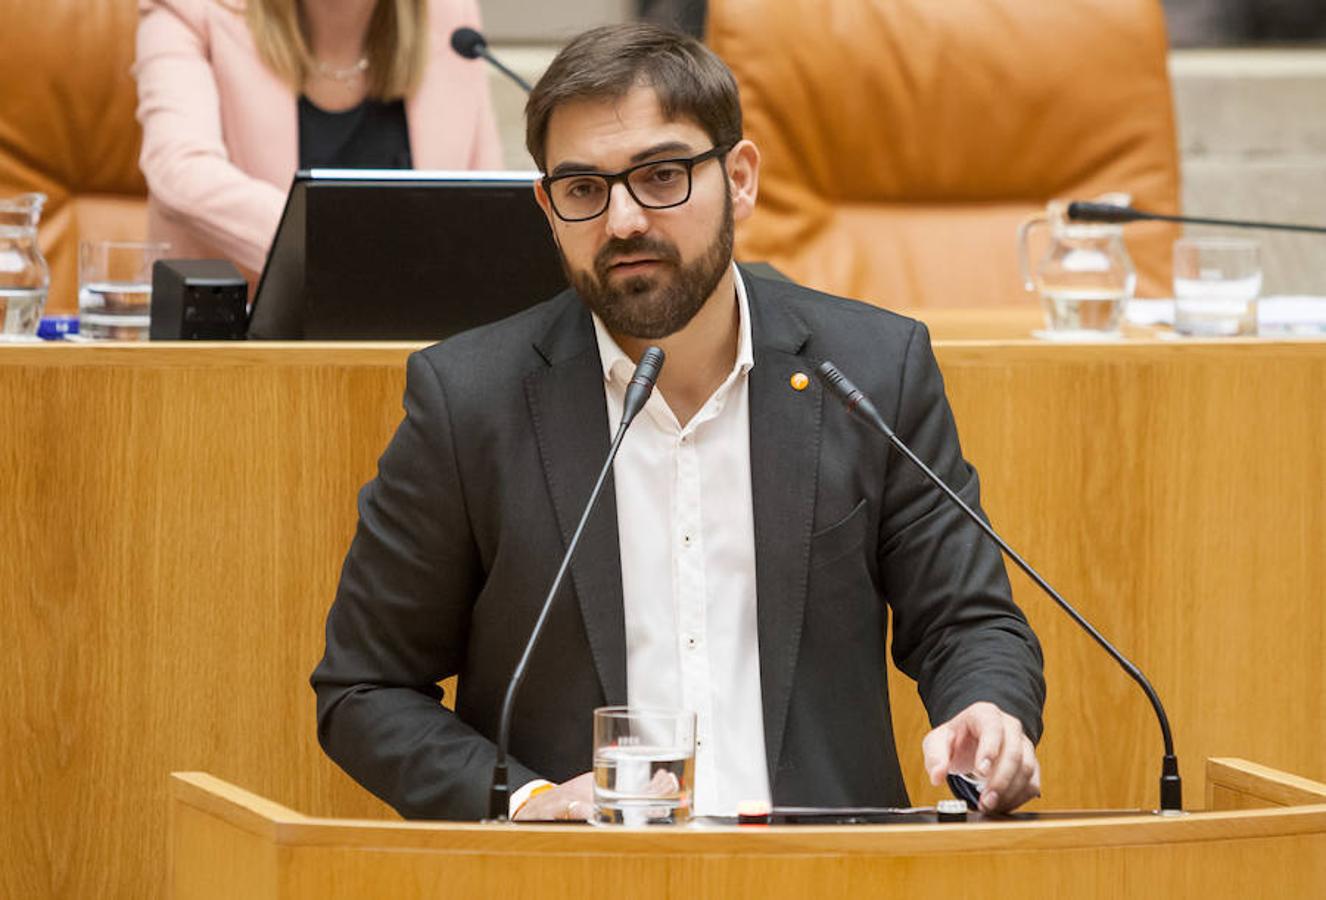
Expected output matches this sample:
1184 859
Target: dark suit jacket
476 496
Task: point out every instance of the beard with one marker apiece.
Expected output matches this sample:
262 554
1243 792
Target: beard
652 306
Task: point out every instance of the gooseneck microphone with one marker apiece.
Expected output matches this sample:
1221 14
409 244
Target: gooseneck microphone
473 45
637 393
859 405
1082 211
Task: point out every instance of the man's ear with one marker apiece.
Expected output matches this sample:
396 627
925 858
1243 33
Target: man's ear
743 175
541 197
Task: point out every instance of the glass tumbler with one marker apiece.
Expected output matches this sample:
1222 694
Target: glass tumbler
644 766
1216 285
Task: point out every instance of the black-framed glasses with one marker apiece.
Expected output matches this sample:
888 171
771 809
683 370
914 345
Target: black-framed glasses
657 184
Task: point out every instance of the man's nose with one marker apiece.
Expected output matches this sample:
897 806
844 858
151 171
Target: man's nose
624 216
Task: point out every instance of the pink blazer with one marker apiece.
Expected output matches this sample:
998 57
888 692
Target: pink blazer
221 131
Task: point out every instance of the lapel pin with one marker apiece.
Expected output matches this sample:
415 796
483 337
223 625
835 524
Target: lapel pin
799 381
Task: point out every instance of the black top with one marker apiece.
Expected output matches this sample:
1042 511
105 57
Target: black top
372 135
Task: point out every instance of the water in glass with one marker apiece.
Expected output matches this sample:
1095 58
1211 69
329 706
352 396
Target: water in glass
115 310
643 785
1216 308
1216 284
644 766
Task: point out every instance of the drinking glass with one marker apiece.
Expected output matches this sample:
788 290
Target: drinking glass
644 766
1216 283
115 288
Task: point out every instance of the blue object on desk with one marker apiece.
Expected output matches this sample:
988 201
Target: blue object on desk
54 328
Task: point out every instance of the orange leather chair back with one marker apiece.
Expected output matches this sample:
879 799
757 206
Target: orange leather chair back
904 140
67 127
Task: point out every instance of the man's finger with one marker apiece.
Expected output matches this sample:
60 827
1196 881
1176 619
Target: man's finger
1025 782
1005 765
1030 773
989 745
937 750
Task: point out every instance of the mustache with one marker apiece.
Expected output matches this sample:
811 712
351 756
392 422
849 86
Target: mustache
640 245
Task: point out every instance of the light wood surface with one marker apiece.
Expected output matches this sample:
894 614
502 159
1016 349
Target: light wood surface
218 828
1006 323
1239 784
173 518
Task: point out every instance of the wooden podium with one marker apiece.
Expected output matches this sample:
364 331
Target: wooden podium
173 519
1264 834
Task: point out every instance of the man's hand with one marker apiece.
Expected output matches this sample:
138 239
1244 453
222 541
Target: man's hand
569 800
987 743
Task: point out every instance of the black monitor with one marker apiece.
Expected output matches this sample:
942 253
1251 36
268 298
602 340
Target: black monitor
403 255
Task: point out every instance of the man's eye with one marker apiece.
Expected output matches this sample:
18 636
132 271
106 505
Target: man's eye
665 174
583 188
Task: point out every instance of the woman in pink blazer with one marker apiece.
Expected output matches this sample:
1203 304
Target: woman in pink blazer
222 130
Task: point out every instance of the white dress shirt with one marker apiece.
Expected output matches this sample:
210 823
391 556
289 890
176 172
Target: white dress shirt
685 524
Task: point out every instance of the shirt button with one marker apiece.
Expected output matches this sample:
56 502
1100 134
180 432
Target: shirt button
685 540
685 438
691 643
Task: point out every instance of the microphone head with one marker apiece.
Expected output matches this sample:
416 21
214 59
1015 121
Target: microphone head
1083 211
651 364
851 396
835 382
468 42
641 384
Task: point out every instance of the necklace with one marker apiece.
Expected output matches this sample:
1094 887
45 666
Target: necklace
343 73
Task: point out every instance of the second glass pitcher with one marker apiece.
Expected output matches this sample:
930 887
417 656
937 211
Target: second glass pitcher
24 275
1085 275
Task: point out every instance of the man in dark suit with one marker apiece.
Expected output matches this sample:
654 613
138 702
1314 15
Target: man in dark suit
741 561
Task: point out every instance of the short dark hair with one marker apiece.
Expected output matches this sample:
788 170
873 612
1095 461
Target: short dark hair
606 63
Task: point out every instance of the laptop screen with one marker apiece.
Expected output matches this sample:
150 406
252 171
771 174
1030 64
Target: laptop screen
403 255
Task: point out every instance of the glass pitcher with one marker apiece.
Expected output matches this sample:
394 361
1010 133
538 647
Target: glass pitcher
24 275
1085 276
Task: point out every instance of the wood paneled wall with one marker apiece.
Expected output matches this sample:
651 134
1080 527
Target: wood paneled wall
172 521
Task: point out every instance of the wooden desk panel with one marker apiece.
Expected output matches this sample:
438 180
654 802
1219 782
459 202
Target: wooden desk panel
173 520
218 829
179 517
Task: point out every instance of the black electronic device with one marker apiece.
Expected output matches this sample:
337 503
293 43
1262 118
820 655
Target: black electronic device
197 300
367 254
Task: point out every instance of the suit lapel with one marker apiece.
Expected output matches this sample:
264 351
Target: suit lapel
784 458
570 419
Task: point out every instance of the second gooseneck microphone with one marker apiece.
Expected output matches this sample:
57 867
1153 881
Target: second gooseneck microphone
1084 211
859 405
637 394
473 45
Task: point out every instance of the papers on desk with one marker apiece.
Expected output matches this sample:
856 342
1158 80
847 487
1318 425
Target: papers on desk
1277 316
